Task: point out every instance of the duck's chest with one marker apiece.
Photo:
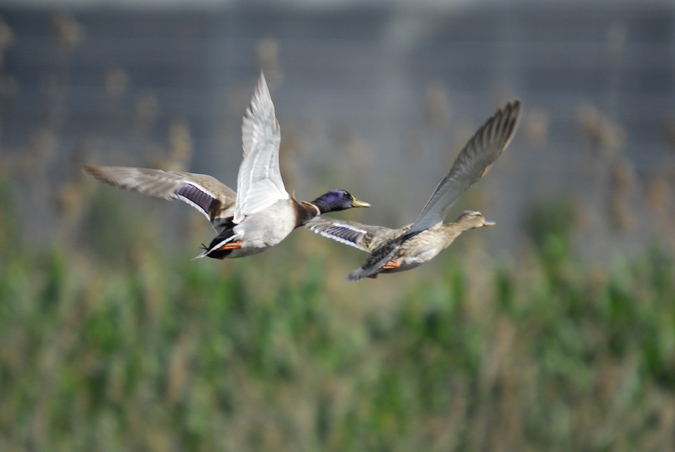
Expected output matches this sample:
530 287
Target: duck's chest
269 227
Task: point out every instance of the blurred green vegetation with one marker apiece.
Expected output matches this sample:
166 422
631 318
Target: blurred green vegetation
149 351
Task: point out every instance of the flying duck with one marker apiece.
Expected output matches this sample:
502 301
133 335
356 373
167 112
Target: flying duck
261 214
394 250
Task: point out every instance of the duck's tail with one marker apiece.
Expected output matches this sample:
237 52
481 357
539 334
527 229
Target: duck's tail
221 246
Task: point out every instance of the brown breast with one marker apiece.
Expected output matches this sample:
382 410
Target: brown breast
304 211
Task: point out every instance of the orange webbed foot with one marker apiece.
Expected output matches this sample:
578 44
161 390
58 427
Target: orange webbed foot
392 264
231 246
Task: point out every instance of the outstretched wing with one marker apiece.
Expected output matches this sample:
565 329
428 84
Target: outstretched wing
259 184
361 236
205 193
473 162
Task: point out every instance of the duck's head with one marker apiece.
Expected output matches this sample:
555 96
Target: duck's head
471 219
336 200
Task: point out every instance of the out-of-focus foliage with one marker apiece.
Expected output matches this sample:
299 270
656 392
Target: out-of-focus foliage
155 352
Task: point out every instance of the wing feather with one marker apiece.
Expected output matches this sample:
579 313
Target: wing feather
259 184
205 193
360 236
473 162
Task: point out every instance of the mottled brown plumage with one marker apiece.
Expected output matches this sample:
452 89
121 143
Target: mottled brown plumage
408 247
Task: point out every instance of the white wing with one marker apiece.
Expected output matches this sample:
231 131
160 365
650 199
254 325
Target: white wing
473 162
259 184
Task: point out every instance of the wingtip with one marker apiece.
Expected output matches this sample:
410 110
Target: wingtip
90 169
514 106
507 118
260 106
262 88
99 173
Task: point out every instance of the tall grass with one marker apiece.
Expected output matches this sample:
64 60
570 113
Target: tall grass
155 352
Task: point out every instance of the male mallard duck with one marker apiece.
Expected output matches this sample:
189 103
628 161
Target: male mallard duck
262 214
394 250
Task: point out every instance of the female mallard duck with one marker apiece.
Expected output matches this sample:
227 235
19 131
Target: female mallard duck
262 214
394 250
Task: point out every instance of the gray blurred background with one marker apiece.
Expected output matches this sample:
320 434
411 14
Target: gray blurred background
375 97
